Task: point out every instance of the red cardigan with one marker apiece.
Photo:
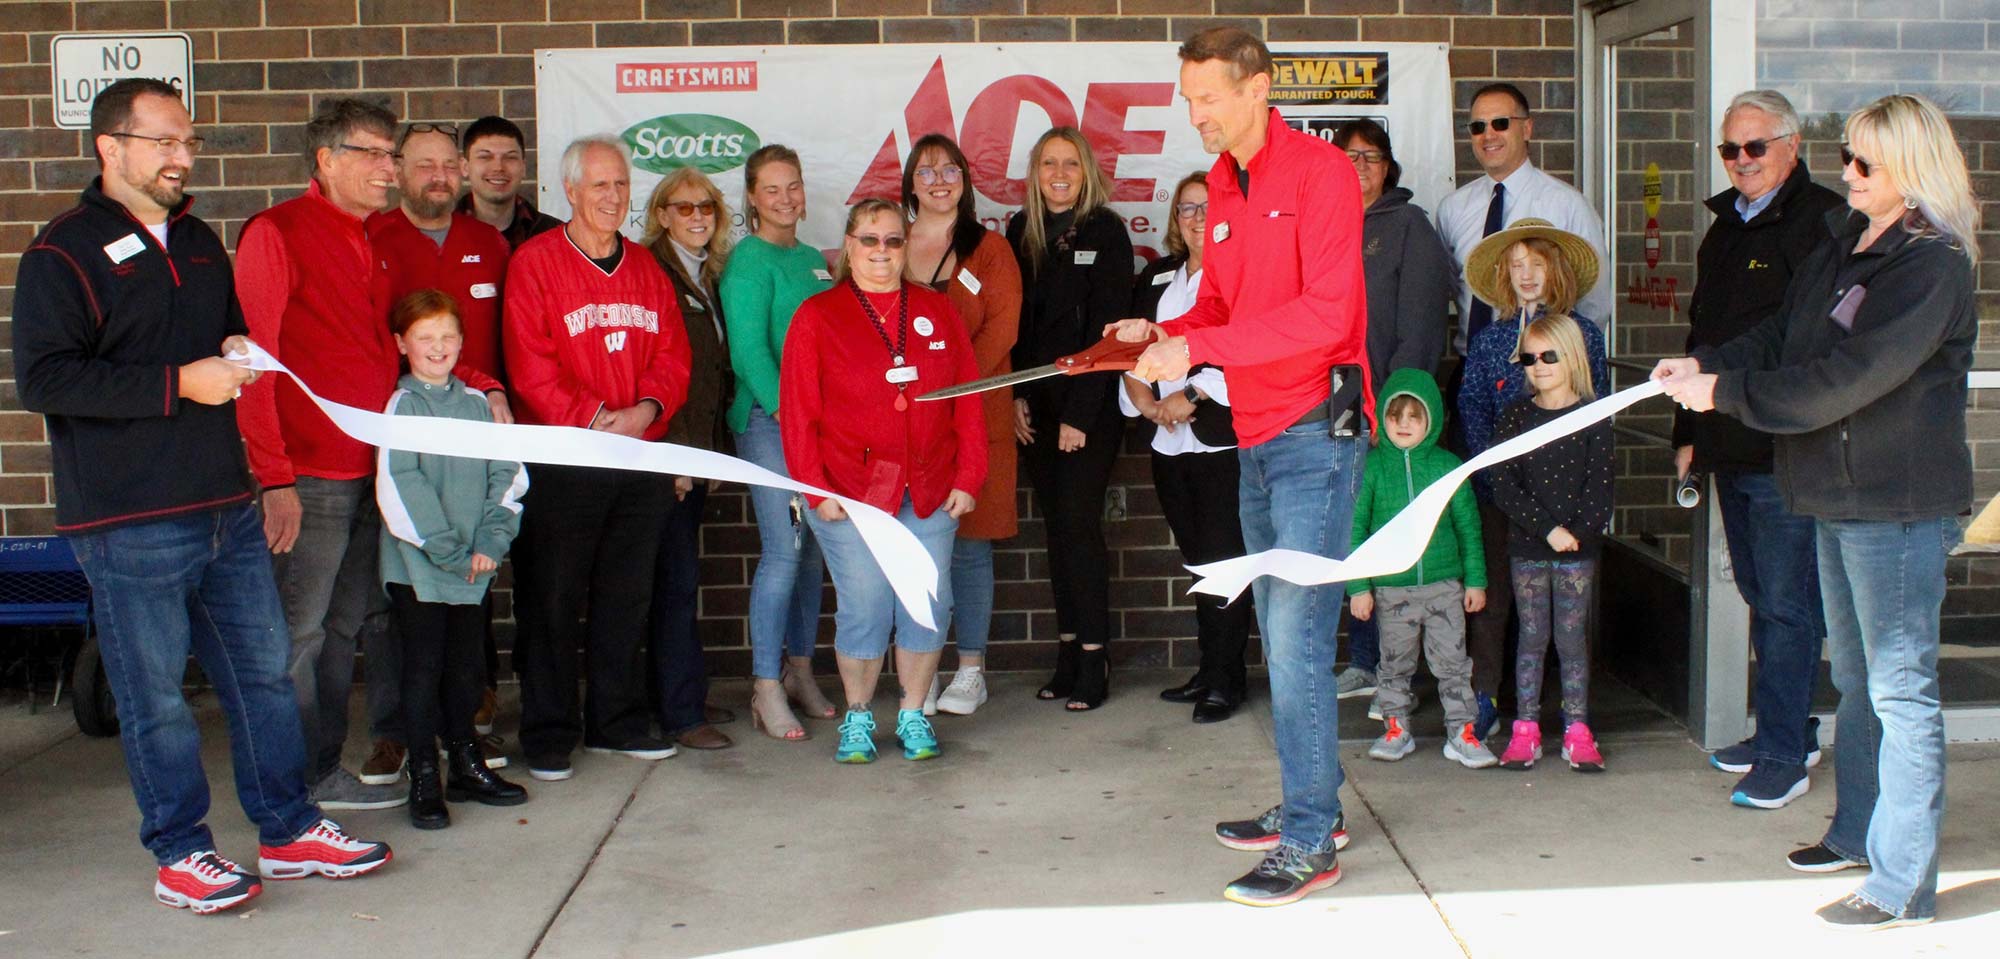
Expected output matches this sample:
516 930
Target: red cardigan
841 428
471 267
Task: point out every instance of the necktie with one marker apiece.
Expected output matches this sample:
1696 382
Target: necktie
1482 314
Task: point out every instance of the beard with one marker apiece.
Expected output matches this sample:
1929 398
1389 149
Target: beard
430 206
166 193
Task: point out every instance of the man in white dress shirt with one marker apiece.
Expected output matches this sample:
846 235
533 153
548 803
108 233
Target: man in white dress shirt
1500 129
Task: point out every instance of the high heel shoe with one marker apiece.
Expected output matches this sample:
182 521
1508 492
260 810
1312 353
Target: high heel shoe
797 678
1063 682
772 716
1093 680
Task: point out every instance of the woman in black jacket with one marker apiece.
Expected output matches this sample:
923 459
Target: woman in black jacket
1076 274
1862 377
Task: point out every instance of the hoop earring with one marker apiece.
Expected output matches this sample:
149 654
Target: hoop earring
1909 203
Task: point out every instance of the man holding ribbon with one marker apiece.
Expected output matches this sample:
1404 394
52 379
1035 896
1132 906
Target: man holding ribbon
1281 306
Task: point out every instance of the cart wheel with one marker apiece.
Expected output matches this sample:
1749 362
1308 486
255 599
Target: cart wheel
90 693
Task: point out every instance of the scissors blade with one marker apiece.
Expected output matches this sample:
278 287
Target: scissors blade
992 383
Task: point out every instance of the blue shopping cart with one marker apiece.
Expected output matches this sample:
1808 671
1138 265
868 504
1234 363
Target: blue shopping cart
41 585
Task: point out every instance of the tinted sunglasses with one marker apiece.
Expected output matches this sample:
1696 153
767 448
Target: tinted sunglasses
1861 165
1499 124
1550 357
1756 148
893 241
685 208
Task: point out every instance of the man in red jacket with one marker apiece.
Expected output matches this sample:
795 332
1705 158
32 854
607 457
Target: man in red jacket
315 295
1282 306
593 340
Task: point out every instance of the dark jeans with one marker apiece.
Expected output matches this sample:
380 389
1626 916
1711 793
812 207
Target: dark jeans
1069 493
589 540
327 582
1198 494
441 666
200 582
679 673
1364 644
1486 630
1777 571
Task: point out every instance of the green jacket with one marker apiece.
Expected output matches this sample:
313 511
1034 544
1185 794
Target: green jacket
762 287
439 510
1394 476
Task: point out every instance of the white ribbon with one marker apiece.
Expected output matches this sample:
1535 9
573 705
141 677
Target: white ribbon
1400 542
902 557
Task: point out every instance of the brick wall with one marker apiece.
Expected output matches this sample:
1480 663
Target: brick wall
1831 56
261 66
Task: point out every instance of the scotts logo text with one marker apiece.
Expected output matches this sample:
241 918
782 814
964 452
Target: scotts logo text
710 144
677 77
1319 78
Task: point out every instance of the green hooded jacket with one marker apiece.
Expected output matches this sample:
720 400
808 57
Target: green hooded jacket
1394 476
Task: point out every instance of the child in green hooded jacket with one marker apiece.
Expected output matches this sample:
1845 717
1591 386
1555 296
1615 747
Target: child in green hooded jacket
1426 603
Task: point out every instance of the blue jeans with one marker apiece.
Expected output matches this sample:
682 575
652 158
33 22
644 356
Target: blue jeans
1883 585
972 594
328 583
680 673
200 582
1364 644
1777 572
1298 492
785 590
865 607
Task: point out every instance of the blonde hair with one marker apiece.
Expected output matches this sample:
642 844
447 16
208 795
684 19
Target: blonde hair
1095 193
1558 289
1909 137
1561 331
1176 243
871 207
718 236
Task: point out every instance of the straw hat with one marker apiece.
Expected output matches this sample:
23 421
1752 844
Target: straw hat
1486 272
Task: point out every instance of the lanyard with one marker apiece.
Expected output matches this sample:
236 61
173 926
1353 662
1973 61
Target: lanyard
902 319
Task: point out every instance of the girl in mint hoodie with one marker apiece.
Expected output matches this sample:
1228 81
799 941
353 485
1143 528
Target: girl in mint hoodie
1426 603
446 524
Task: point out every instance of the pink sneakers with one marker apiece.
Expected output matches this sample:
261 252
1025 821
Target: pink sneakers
1524 746
1580 749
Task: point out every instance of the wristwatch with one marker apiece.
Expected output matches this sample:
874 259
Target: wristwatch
1192 395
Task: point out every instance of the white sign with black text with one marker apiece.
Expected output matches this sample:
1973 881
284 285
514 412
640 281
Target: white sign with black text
84 63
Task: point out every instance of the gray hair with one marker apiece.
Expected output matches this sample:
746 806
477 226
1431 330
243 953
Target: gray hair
1771 102
572 157
338 119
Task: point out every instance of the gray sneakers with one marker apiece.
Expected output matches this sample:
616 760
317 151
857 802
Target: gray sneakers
966 693
1355 681
1465 749
1396 742
341 789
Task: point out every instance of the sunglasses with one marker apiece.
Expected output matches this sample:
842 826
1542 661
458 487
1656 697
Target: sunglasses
1499 124
1861 165
893 241
943 174
1550 357
1188 211
1375 157
686 208
1756 148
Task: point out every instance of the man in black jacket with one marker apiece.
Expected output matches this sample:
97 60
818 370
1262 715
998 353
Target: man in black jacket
1764 228
121 308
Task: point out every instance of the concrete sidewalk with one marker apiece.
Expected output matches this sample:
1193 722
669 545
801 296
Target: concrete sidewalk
1037 832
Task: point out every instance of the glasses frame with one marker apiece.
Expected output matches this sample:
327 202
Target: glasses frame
1526 359
1499 124
166 145
1370 157
690 207
931 176
893 241
1756 148
376 154
1861 164
1186 211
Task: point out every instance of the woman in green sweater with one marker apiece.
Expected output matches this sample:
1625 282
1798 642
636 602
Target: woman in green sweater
768 276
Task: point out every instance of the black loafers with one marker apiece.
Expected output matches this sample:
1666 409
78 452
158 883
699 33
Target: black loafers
1189 692
1215 706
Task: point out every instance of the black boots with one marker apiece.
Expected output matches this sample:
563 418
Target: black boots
1063 682
471 780
427 810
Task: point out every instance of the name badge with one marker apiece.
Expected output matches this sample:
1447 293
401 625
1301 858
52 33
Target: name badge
1220 232
823 276
124 248
1086 257
970 282
485 291
1163 279
923 326
901 374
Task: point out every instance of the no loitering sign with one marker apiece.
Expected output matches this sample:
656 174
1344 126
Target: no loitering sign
85 63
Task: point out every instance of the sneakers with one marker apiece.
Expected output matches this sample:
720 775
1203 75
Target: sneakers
1524 745
931 698
1285 876
919 739
1355 681
482 718
857 737
638 747
1817 858
1580 749
340 789
1857 913
1466 749
1261 834
1488 720
385 765
966 693
1742 756
1771 785
550 767
205 883
324 849
1396 742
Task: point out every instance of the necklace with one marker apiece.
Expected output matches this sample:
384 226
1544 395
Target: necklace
897 375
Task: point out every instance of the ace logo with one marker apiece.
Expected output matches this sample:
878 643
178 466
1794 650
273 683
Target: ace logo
613 342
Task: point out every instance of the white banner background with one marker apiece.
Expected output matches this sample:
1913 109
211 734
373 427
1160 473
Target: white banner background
852 111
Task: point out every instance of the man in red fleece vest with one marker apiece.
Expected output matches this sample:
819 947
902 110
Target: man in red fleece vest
315 295
593 339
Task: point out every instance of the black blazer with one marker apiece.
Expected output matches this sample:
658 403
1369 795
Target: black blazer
1083 284
1213 423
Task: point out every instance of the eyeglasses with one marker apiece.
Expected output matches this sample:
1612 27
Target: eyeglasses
942 174
1756 148
1861 164
377 154
1188 211
685 208
893 241
1499 124
167 145
448 129
1377 157
1550 357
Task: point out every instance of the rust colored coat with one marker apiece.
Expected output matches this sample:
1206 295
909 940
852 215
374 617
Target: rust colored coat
992 317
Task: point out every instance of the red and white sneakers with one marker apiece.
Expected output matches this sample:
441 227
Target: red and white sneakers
325 850
205 883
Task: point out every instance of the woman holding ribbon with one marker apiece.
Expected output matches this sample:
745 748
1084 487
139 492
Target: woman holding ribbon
856 358
1861 376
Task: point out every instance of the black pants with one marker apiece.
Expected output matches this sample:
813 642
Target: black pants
1486 630
1198 494
589 538
679 673
1069 492
442 673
